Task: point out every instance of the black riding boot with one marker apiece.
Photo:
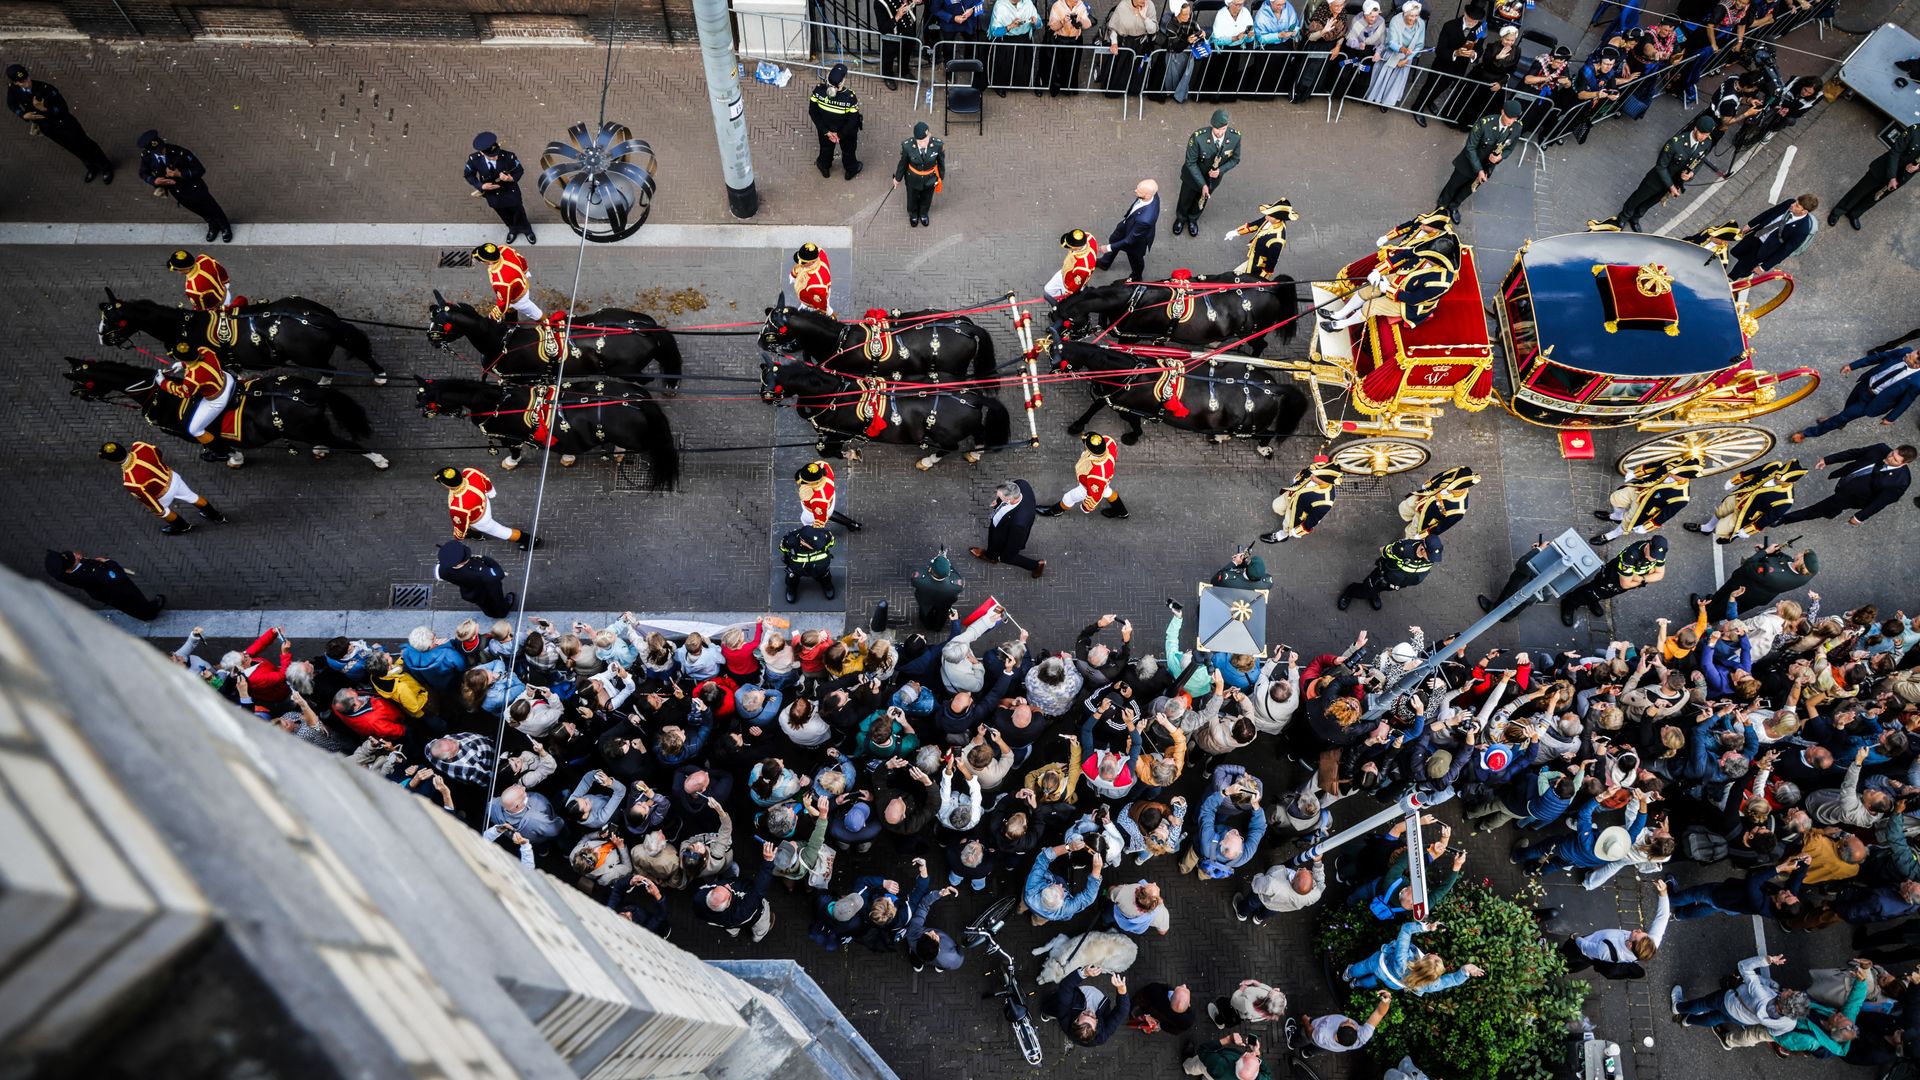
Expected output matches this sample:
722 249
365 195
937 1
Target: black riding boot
1053 511
211 514
1117 509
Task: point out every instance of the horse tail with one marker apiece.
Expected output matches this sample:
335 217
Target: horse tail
1286 293
667 355
663 459
983 357
350 414
996 427
358 345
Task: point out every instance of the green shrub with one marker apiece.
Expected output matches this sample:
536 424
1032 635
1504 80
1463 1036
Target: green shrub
1510 1024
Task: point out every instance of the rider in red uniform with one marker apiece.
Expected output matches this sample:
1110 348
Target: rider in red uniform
812 279
470 504
1094 470
147 477
208 288
512 285
1083 255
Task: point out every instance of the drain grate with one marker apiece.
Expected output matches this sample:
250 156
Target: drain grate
1364 487
409 595
634 476
461 257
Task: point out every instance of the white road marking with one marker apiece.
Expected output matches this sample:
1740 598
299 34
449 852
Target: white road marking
400 234
390 626
1780 175
1703 194
926 256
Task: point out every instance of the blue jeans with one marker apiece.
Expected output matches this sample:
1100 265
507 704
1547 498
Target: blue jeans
1696 903
1179 74
1709 1011
1364 974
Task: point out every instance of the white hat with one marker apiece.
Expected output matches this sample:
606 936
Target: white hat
1404 653
1411 7
1371 7
1614 844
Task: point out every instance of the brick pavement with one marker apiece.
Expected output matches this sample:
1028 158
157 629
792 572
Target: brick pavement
1042 168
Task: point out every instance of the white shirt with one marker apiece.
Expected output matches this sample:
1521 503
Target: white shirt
1005 509
1888 379
1226 26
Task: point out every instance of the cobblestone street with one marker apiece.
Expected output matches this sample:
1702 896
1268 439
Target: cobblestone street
375 134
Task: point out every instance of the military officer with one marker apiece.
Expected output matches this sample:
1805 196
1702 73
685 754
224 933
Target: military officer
480 580
207 285
512 284
1439 504
1888 173
105 581
470 504
819 493
812 278
1212 153
1638 564
494 174
1266 239
835 112
1306 501
1652 495
1083 253
1094 471
935 590
41 105
1670 172
1401 565
808 553
1757 498
923 168
1487 144
173 170
147 477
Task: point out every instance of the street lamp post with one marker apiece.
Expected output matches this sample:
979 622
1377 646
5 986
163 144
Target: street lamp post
729 111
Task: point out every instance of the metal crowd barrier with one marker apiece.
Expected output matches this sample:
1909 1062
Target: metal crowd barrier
1043 67
795 42
1230 74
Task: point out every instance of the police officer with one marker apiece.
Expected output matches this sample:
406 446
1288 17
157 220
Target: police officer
173 170
1888 174
1266 239
105 581
835 112
1671 170
495 176
480 580
923 168
1401 565
41 105
808 552
1212 152
1487 143
1638 564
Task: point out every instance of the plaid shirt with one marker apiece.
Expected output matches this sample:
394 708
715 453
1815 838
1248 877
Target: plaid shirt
473 764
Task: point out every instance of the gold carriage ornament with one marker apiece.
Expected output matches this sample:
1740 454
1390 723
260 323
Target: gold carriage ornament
1596 330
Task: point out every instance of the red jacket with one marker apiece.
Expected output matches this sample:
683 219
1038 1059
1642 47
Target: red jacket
380 719
267 681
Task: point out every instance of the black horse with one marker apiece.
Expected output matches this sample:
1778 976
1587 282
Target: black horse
613 342
290 332
935 420
1139 313
1223 398
927 346
272 409
571 420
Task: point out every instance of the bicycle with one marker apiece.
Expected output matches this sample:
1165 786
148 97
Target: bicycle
980 932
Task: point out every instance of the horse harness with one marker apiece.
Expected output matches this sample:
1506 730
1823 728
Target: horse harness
230 425
1171 382
545 416
879 405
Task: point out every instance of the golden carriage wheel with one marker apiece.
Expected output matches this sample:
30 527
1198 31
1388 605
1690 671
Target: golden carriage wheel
1720 447
1379 457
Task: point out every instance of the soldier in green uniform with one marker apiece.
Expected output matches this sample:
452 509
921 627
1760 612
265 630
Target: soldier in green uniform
1671 169
935 590
1401 565
1212 152
1487 143
1884 177
1266 239
923 165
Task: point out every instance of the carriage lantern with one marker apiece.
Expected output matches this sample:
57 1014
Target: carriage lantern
602 184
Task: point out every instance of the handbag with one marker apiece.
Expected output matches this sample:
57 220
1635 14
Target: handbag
1703 845
1201 49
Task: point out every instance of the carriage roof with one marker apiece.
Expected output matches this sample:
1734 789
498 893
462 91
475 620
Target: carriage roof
1570 311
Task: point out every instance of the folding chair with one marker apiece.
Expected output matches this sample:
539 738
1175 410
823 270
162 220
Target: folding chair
963 96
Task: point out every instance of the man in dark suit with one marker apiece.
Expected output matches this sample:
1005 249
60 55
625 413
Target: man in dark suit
1134 234
1774 236
1867 481
104 580
480 580
1009 521
1889 385
494 174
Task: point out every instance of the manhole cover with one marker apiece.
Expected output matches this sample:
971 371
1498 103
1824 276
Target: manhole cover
410 595
459 257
